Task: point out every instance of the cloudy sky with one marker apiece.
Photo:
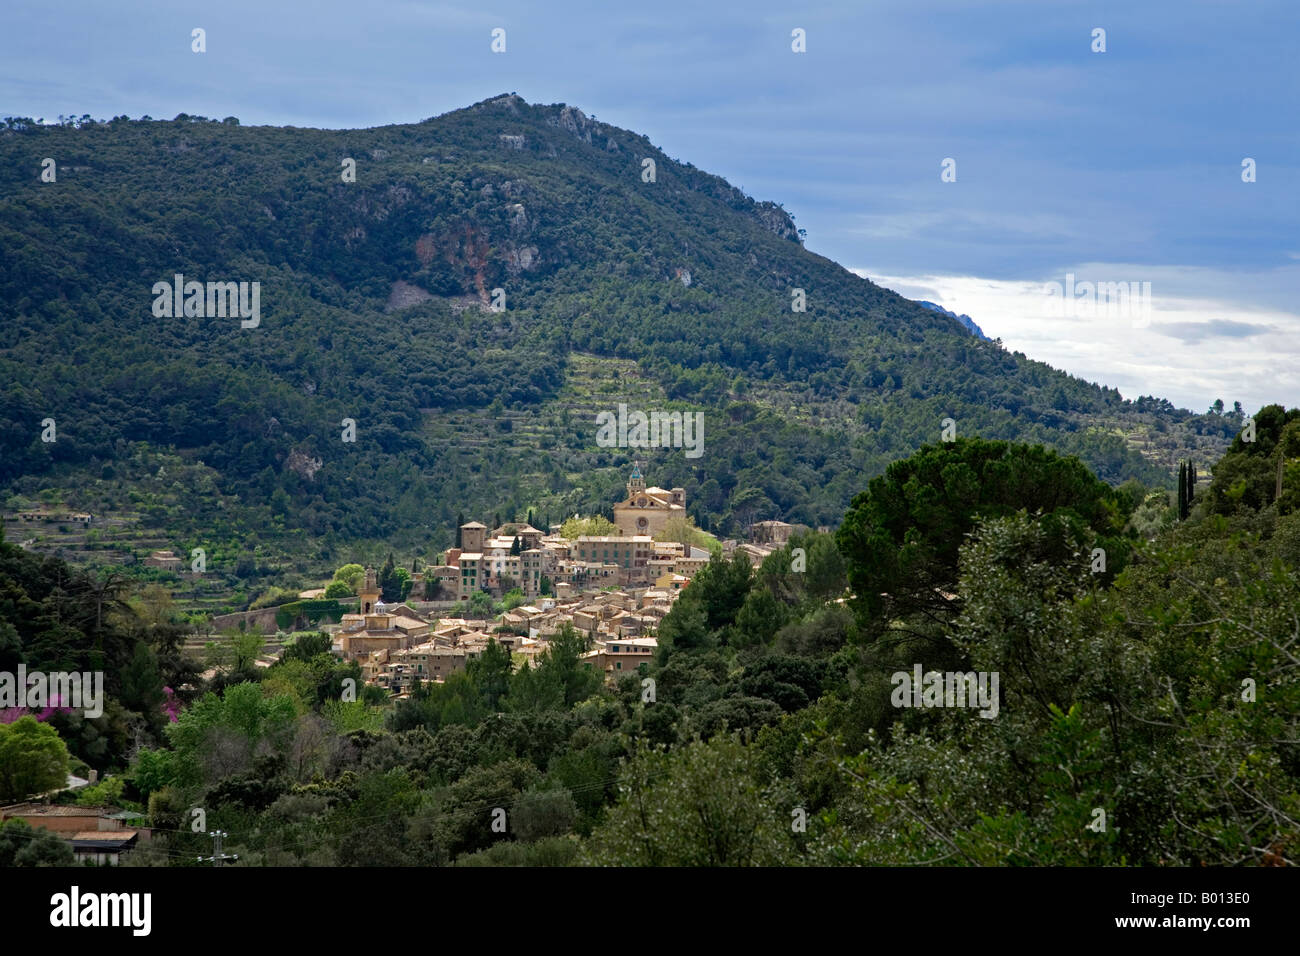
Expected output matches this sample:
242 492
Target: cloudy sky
1115 166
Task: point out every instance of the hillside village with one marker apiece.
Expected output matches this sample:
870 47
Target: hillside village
614 590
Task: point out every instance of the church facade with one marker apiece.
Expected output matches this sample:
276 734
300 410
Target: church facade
647 510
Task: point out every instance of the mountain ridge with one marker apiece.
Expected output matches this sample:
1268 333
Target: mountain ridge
684 275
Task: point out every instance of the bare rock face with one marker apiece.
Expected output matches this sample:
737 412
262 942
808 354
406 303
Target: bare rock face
518 219
512 141
521 259
508 101
303 464
775 219
404 295
575 122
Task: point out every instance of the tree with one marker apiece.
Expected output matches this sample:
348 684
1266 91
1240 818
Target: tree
682 529
247 647
308 646
24 845
219 736
33 759
596 525
698 806
559 679
338 589
1246 477
491 673
900 537
394 582
404 583
460 520
350 575
543 813
720 589
142 684
1182 491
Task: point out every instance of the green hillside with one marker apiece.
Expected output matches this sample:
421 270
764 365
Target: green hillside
374 306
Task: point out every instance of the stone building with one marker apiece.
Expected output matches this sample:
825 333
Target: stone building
646 510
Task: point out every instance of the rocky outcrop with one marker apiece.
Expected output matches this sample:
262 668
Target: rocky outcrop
964 320
303 464
403 295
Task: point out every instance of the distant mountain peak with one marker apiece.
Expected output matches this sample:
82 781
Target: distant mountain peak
965 320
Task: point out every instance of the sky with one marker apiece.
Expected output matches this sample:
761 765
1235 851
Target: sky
1117 166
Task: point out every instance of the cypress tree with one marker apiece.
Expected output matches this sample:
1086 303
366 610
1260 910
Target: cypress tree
460 520
389 585
1182 490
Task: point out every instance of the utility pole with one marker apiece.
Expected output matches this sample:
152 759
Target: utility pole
218 857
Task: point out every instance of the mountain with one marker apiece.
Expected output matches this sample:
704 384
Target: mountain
376 305
965 320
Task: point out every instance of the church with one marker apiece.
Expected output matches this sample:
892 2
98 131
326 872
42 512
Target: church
647 510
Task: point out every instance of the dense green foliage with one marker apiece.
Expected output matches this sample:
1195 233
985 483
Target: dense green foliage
685 276
1251 474
1146 714
902 536
54 618
33 759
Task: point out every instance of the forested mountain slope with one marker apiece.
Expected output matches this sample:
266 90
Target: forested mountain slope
375 306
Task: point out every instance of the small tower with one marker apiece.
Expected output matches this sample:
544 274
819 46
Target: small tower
472 536
635 484
369 593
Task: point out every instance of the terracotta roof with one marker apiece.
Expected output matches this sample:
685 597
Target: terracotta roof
54 810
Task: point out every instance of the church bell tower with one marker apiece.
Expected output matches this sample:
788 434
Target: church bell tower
369 593
635 484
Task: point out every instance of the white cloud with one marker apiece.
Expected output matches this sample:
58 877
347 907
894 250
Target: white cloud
1209 333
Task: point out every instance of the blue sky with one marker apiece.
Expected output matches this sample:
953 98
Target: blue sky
1115 166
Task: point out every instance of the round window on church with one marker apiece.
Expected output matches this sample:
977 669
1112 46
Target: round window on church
642 523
